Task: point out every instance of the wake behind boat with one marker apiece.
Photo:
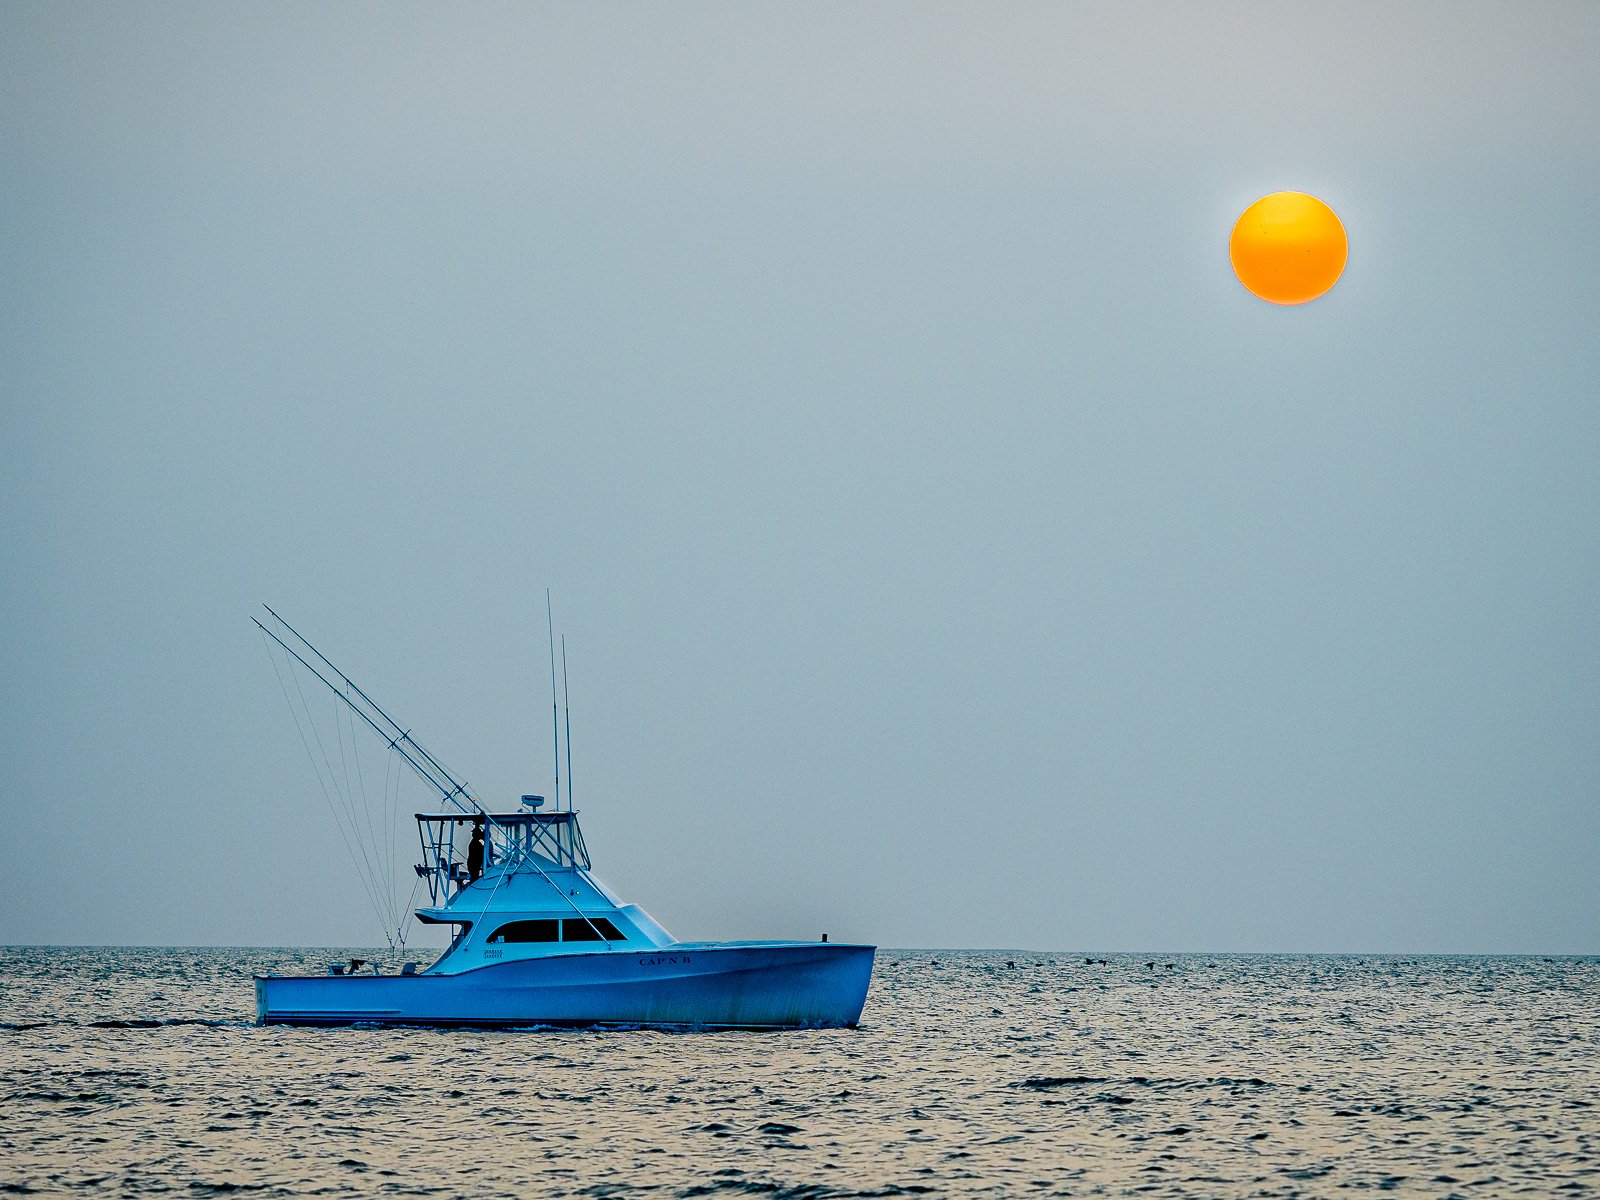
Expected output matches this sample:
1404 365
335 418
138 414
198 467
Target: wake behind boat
539 941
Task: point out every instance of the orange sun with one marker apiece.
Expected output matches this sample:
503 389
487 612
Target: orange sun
1288 248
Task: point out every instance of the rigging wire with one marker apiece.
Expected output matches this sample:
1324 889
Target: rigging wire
389 827
383 850
370 876
408 913
344 762
311 758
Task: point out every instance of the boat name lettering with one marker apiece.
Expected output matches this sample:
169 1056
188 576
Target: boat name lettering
663 959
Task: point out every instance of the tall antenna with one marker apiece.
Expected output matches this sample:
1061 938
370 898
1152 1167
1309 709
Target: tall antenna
555 710
566 711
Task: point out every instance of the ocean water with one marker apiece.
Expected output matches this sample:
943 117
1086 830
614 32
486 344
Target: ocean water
128 1072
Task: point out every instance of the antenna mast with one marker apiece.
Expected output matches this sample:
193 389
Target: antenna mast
566 711
555 709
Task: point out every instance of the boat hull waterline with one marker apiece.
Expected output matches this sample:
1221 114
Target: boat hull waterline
708 985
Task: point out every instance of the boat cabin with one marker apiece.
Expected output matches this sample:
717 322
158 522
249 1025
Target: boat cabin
532 895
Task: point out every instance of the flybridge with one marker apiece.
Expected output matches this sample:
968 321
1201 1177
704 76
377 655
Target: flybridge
516 841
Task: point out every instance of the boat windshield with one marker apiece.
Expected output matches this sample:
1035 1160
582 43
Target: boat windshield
554 837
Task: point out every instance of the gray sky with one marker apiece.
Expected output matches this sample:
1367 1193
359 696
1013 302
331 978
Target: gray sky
950 551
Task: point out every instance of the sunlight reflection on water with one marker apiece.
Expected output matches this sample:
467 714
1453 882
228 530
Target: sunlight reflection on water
129 1071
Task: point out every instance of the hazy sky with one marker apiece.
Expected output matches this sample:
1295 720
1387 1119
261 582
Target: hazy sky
950 551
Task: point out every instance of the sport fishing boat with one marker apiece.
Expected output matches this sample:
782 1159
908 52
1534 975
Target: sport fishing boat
538 940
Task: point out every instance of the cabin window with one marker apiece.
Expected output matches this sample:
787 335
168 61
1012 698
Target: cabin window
528 931
594 929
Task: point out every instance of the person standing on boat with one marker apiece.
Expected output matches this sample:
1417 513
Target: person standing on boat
475 853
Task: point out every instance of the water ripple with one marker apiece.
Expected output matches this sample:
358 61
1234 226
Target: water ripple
127 1072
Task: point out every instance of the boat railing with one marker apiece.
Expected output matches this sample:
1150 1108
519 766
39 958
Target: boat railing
539 840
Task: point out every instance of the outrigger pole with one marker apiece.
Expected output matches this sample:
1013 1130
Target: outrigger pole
400 740
428 768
